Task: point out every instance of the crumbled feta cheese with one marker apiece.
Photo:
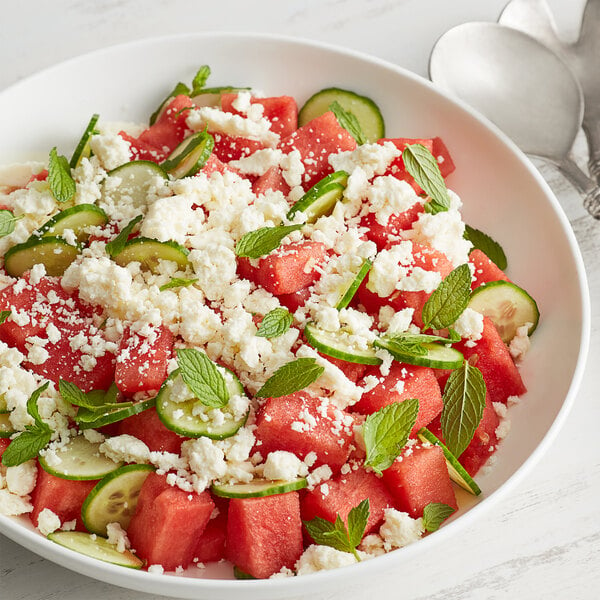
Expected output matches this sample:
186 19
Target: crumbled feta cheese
118 536
320 558
400 529
519 345
125 448
284 465
48 522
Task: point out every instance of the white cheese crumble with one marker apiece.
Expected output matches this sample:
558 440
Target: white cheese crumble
399 529
48 522
284 465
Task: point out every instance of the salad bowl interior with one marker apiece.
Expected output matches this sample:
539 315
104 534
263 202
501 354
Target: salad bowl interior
502 194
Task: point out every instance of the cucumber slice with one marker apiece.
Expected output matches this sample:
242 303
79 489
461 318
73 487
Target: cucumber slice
338 345
83 147
96 547
179 417
507 305
457 472
437 357
80 459
6 427
212 96
88 419
114 498
136 178
190 156
258 488
148 252
76 218
321 197
3 405
355 284
239 574
363 108
53 252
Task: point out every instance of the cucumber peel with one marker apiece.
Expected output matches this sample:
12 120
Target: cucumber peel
53 252
258 488
190 156
321 197
149 252
77 218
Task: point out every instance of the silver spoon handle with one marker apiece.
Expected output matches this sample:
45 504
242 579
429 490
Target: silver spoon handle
588 187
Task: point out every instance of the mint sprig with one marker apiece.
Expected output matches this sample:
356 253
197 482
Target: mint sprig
421 164
202 377
62 184
337 535
291 377
348 121
115 246
176 282
275 323
4 314
260 242
434 514
28 443
7 222
386 432
490 247
464 401
449 300
200 79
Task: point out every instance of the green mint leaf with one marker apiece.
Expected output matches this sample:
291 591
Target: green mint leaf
291 377
275 323
453 335
115 246
26 446
449 300
348 121
61 183
7 222
386 432
421 164
180 88
464 401
357 522
200 79
255 244
434 514
177 282
4 314
72 394
491 248
32 407
203 377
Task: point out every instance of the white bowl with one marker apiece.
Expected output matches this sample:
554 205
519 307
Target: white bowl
502 192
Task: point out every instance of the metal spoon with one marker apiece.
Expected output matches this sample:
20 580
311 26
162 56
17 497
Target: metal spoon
535 18
520 85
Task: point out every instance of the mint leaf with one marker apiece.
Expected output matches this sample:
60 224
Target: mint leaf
4 314
202 377
255 244
177 282
449 300
291 377
61 183
7 222
421 164
464 401
32 407
434 514
337 535
386 432
72 394
200 79
348 121
115 246
275 323
482 241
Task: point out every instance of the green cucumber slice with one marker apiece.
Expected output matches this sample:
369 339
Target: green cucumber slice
190 156
179 417
82 149
77 218
321 197
437 357
363 108
239 574
337 345
457 472
6 427
507 305
136 178
148 252
80 459
96 547
88 419
258 488
53 252
355 284
114 498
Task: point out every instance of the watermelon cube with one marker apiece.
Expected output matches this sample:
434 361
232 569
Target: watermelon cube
211 544
273 180
142 150
295 300
228 148
264 534
485 269
147 426
442 155
384 235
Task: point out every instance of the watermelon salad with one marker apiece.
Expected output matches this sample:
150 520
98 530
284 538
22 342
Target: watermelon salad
248 332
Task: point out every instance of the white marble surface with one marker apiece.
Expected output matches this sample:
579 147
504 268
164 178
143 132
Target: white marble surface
543 541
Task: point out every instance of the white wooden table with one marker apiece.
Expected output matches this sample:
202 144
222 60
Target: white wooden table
543 541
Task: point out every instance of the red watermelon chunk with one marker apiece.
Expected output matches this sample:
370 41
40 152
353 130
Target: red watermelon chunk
228 148
141 363
264 534
142 150
4 442
316 141
147 426
345 491
404 382
286 270
295 300
300 424
211 544
273 180
485 269
442 155
168 522
418 477
397 168
383 235
64 497
353 371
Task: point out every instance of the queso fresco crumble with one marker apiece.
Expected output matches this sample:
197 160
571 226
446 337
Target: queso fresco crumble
241 332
